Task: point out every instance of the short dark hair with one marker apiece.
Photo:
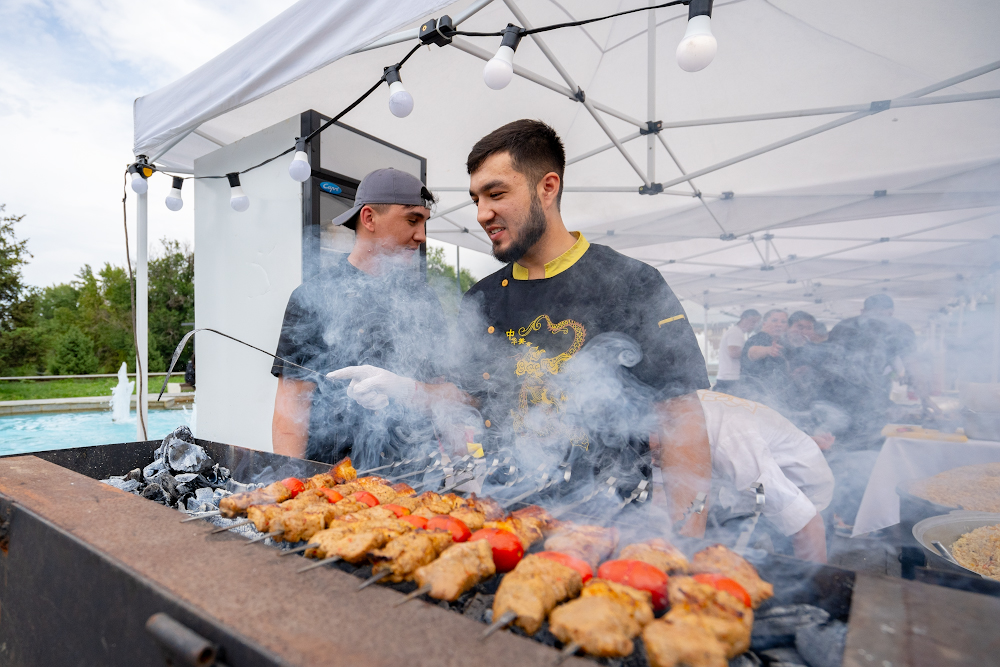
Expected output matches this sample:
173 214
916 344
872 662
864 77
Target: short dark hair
748 313
772 312
534 148
800 315
879 302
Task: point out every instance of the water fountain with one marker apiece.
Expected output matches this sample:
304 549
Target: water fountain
121 396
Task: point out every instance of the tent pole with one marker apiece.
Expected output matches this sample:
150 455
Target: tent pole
651 90
584 156
996 324
519 15
458 268
705 332
142 319
829 126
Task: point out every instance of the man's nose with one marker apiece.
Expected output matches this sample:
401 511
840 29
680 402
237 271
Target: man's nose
484 213
420 233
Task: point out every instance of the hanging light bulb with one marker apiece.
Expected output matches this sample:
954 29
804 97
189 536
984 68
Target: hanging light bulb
174 201
299 169
139 173
698 46
400 101
500 68
237 199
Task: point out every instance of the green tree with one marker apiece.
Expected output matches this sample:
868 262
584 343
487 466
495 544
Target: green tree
74 354
441 278
171 303
21 347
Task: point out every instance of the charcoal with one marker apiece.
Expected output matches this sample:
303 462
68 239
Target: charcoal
204 494
477 606
782 657
153 470
129 485
154 492
135 475
775 627
187 457
822 645
748 659
187 477
169 485
196 504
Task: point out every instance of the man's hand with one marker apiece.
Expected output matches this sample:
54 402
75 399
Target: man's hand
372 387
823 439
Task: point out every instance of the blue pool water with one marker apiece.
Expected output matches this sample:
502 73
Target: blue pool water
23 434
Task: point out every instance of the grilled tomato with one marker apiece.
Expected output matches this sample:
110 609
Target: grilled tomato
639 575
366 498
507 548
294 486
569 561
459 531
721 583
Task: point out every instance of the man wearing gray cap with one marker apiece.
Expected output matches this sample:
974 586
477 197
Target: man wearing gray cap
370 308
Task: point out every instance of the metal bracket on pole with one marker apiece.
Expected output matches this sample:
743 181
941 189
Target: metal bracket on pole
652 127
579 95
651 189
880 105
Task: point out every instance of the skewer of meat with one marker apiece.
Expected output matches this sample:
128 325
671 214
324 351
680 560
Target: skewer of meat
603 620
456 570
718 559
531 590
352 540
658 553
591 544
400 558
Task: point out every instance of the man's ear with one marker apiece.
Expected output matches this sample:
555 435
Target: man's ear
548 189
366 217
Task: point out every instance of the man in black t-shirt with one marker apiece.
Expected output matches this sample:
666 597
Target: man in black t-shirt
576 354
370 309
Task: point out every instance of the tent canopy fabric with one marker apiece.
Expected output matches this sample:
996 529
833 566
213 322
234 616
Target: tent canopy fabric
831 150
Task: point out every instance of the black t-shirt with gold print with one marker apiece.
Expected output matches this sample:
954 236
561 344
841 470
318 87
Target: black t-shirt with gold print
531 357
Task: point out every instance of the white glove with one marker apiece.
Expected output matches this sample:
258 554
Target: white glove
372 387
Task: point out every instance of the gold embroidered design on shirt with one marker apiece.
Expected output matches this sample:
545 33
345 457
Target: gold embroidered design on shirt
669 319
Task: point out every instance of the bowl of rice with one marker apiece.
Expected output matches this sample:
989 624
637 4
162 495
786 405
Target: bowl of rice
973 538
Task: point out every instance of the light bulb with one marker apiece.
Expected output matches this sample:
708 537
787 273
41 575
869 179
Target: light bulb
237 198
500 68
139 184
400 100
299 168
698 47
174 201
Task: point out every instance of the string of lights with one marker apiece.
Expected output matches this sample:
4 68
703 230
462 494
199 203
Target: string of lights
695 51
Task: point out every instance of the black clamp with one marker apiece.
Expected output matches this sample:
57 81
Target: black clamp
579 96
141 166
437 31
652 127
651 189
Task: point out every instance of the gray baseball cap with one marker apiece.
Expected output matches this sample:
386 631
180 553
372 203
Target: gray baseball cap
386 186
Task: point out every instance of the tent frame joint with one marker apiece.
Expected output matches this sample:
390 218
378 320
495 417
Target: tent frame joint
652 127
651 189
437 31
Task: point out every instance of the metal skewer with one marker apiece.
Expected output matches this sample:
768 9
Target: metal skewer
389 465
297 550
235 525
374 579
261 538
203 515
455 485
505 619
417 593
411 474
567 651
319 563
944 552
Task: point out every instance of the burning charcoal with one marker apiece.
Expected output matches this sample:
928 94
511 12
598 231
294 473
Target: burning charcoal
154 492
129 485
748 659
477 606
204 494
135 474
776 626
822 645
153 470
783 657
187 457
169 485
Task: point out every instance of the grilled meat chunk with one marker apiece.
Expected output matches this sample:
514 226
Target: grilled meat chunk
658 553
685 642
719 559
238 503
592 544
471 517
403 555
528 529
261 515
457 569
353 540
533 589
716 610
296 526
604 619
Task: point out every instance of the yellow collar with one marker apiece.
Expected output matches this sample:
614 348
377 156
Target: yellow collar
560 263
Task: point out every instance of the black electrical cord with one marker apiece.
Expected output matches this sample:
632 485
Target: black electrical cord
572 24
131 290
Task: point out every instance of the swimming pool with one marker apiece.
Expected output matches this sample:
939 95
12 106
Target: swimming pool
23 434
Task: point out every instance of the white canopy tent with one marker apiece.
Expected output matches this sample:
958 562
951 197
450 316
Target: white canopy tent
894 185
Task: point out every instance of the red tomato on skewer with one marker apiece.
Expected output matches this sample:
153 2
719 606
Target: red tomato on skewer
294 486
639 575
586 573
398 510
459 531
507 547
721 583
331 495
366 498
417 521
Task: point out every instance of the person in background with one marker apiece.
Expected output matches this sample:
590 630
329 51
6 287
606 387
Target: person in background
804 403
865 352
753 444
370 308
763 367
731 349
820 333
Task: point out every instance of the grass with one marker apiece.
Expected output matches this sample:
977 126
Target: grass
33 390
